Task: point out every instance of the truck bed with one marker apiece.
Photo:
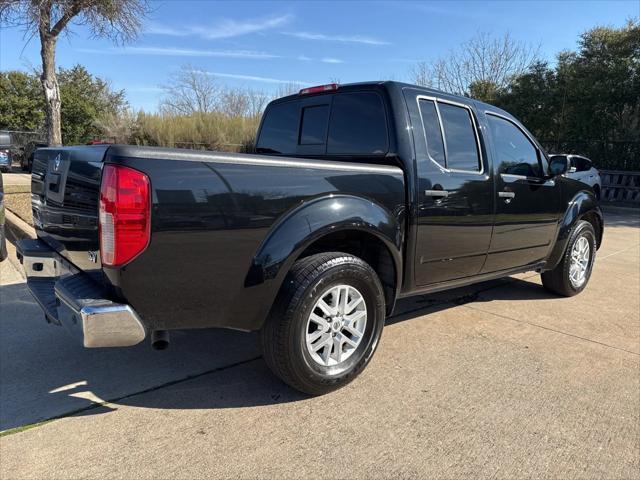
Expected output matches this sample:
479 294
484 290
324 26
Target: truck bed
212 216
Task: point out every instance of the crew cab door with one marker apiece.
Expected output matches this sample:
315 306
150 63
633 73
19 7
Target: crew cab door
454 205
527 203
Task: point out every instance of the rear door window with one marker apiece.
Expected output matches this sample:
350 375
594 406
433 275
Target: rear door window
432 131
358 125
458 148
460 138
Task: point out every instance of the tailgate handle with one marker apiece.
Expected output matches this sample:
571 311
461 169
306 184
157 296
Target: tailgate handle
436 193
53 179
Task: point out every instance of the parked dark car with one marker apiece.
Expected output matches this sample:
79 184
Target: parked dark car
358 195
3 241
26 161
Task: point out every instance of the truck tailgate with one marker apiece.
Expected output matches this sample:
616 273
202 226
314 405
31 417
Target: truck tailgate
65 187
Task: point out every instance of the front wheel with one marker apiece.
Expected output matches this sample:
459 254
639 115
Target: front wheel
572 274
325 324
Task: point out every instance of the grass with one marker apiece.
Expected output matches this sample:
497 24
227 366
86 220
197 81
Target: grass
211 131
17 188
22 428
20 204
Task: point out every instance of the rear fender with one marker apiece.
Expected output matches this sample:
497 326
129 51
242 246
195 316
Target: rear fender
315 219
582 204
311 221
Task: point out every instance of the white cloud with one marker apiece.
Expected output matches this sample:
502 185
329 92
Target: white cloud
190 52
337 38
180 52
144 89
254 78
225 28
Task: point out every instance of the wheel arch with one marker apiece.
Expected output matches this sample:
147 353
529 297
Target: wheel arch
344 223
583 206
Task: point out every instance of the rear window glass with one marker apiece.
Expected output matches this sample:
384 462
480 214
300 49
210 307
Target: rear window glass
314 125
358 125
279 132
349 124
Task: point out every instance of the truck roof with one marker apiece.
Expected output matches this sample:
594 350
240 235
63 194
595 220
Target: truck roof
389 84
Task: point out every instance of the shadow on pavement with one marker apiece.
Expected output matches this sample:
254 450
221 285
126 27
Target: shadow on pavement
617 218
46 373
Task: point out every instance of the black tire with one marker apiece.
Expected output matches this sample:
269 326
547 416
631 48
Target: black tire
283 336
558 280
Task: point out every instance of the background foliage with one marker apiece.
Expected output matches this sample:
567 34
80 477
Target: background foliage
85 99
587 101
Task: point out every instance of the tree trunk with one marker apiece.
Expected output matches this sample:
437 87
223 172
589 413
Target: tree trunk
51 90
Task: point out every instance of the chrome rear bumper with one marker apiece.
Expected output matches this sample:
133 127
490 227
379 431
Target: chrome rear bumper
70 298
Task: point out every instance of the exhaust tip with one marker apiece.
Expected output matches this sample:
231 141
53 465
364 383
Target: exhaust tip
160 339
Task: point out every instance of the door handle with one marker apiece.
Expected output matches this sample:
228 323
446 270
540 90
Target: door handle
436 193
508 196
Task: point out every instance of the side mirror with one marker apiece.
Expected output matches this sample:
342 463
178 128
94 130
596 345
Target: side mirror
558 166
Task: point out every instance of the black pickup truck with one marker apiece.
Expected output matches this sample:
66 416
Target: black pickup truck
358 195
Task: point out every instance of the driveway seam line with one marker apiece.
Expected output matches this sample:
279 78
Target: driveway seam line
551 329
615 253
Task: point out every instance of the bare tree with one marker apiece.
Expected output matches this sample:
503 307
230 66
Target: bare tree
190 91
257 101
116 126
242 102
484 62
422 74
119 20
288 88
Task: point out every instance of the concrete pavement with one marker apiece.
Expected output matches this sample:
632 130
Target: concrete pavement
497 380
46 373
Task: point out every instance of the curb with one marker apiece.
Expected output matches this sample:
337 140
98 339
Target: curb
16 229
19 228
619 208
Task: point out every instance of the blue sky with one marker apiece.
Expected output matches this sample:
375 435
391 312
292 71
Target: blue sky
263 44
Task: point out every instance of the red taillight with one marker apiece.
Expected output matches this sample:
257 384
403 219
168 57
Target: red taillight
125 223
318 89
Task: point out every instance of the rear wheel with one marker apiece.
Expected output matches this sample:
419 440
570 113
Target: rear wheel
572 274
325 324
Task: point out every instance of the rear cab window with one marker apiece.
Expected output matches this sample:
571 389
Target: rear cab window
279 129
352 123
